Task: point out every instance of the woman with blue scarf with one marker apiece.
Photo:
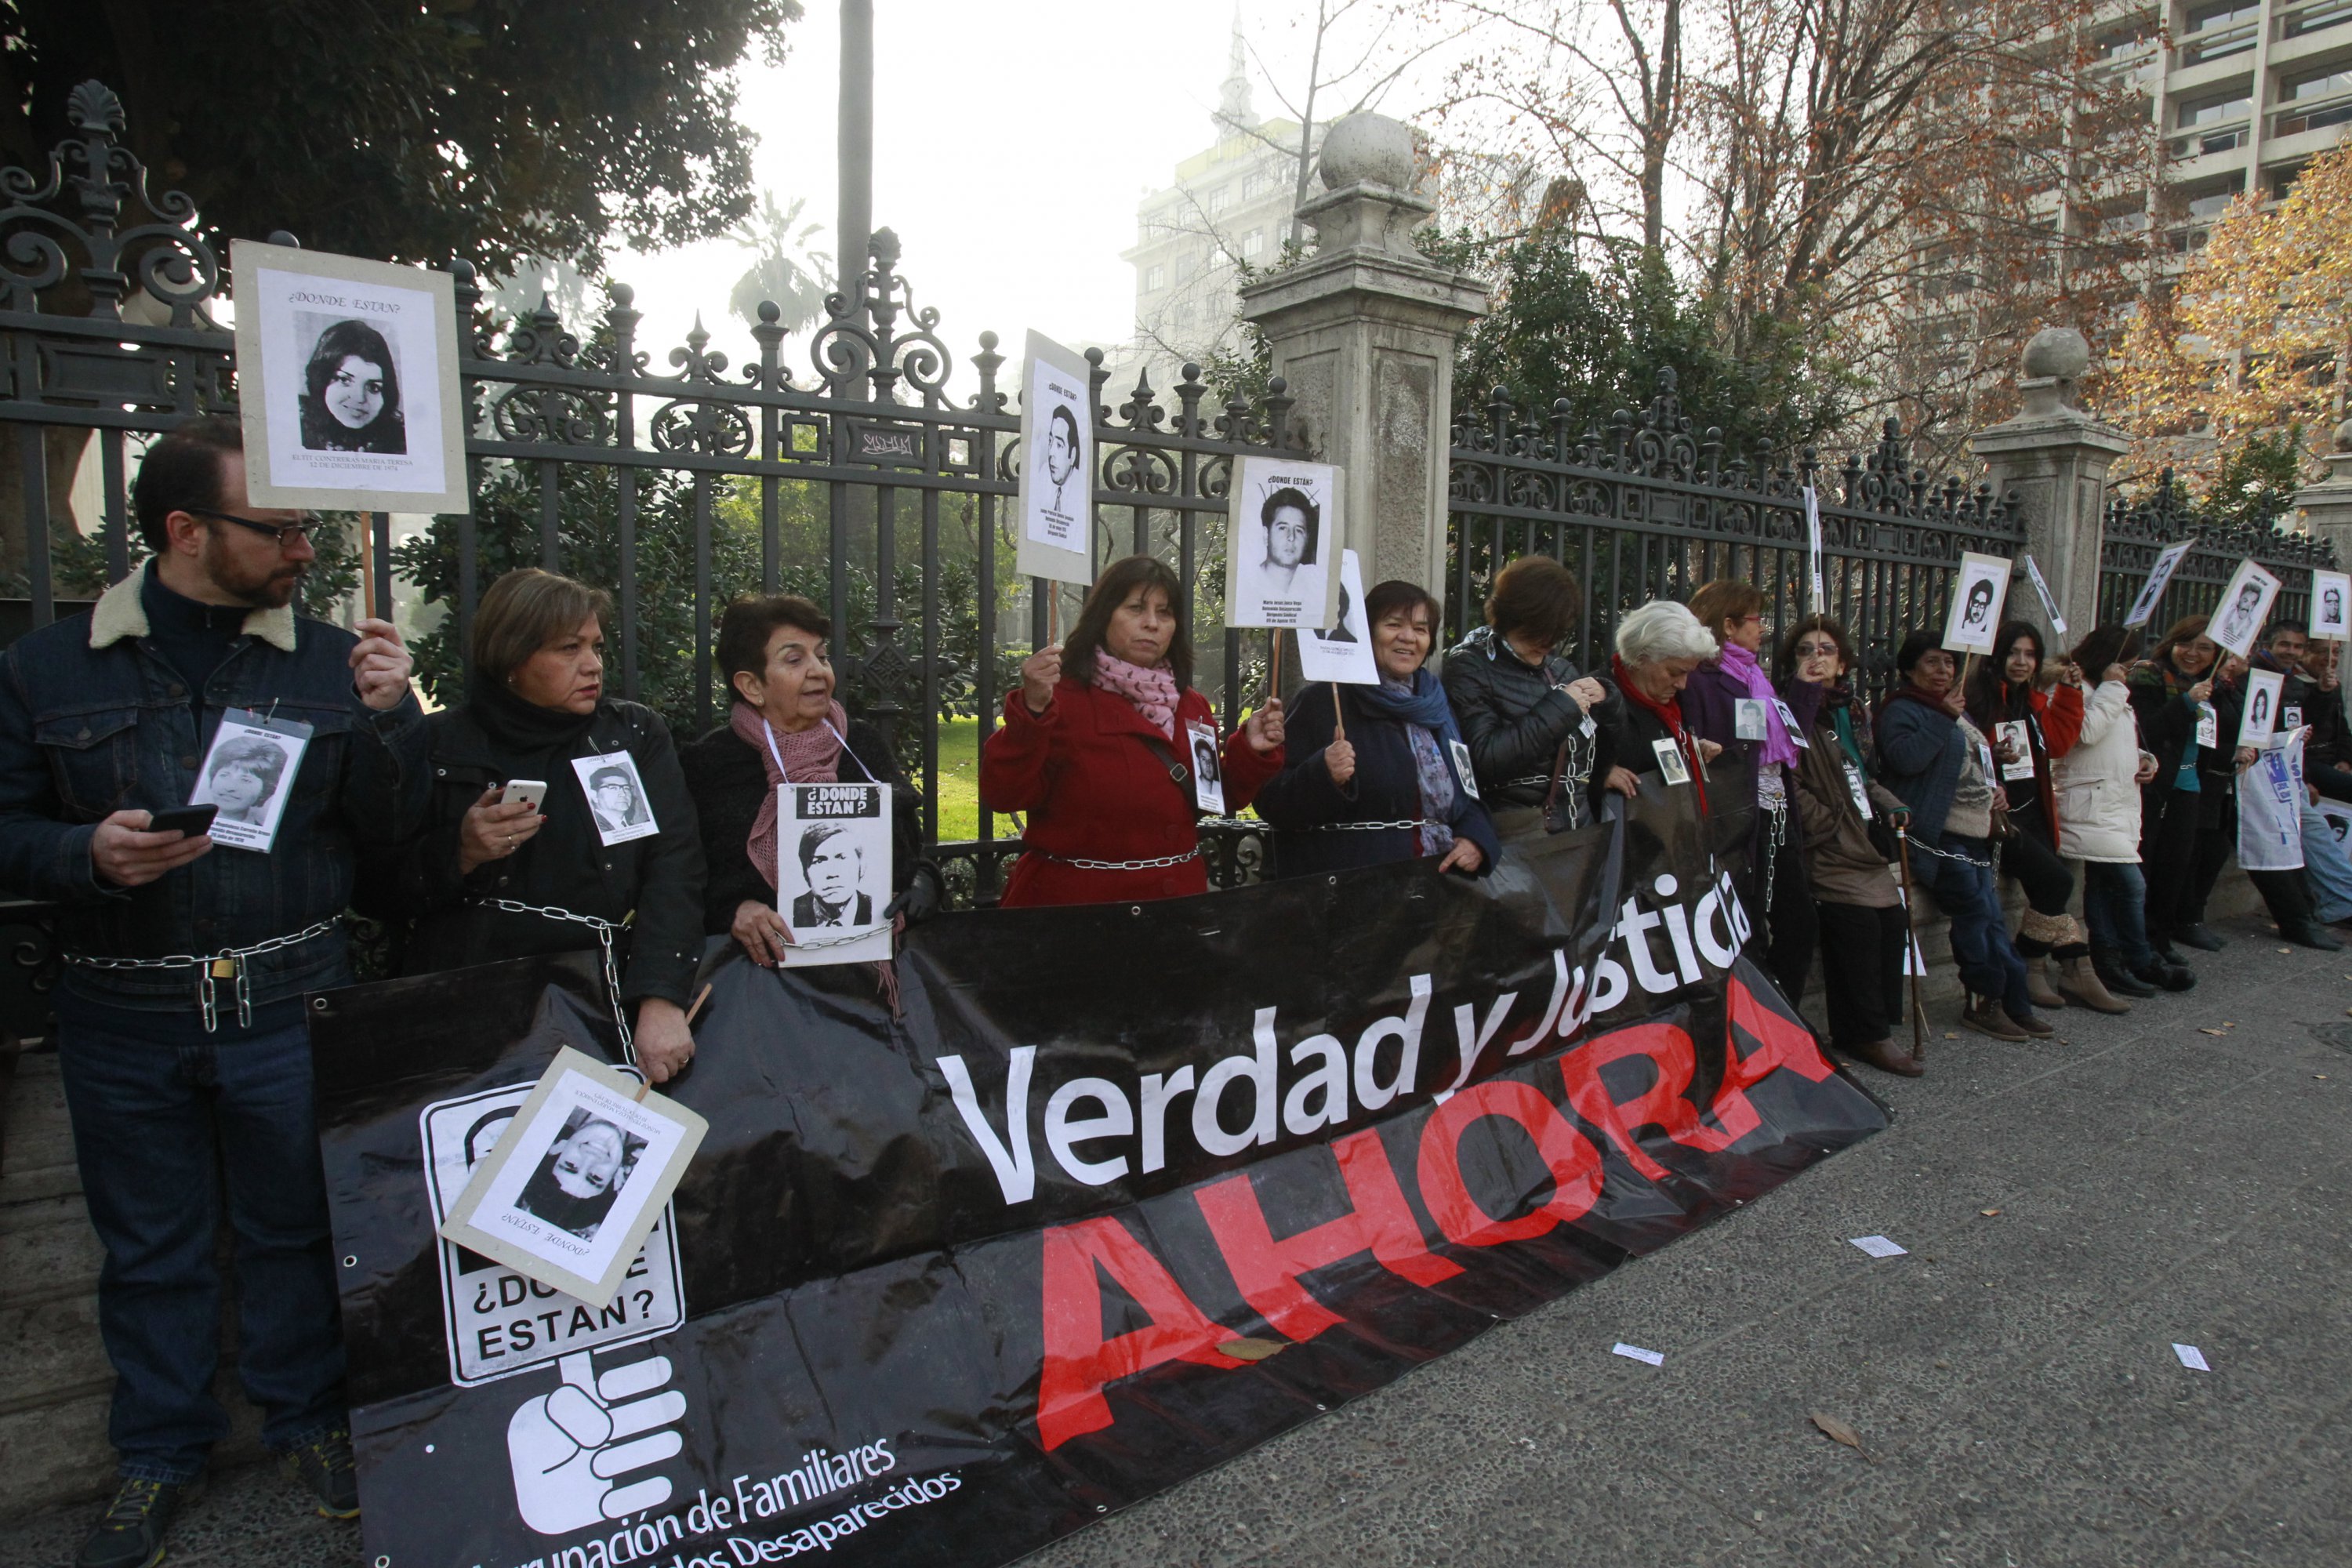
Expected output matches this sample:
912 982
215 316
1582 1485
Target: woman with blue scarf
1381 784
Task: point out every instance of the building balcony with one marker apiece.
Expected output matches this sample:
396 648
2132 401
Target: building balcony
2313 114
2215 141
2218 43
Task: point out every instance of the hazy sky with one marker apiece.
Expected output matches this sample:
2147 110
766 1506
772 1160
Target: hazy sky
1013 138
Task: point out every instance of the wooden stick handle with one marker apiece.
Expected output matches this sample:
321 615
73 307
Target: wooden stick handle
367 565
1339 719
1273 664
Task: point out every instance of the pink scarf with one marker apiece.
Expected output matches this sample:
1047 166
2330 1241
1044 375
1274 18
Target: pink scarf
1740 665
1152 691
810 756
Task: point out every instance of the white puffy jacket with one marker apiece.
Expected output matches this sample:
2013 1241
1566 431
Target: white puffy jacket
2097 781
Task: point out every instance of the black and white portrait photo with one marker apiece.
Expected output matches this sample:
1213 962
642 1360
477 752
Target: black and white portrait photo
834 872
1343 653
1057 464
580 1174
2160 577
1977 597
247 773
2331 596
2244 604
350 390
2260 724
1208 769
576 1178
347 377
833 868
615 797
1282 542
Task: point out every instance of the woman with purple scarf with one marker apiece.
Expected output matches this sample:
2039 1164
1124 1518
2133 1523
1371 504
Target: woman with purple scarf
1732 702
1383 782
785 726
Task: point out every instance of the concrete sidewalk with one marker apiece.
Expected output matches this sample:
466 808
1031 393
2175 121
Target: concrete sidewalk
2012 1379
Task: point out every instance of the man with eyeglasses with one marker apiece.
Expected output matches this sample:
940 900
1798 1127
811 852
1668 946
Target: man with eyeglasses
179 1027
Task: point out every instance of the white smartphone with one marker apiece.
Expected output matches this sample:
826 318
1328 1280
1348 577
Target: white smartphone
531 792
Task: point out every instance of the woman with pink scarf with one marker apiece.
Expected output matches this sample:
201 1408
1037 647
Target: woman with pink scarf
1096 748
1731 702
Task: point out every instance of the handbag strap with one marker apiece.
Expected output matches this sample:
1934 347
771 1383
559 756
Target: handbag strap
1558 773
1178 773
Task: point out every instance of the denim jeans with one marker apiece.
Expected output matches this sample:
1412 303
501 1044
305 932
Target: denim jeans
1965 891
2115 906
2325 867
151 1116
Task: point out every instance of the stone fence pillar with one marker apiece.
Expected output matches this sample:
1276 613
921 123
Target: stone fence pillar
1363 328
2056 458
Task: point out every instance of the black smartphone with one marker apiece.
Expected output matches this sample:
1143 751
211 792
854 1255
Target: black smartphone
188 819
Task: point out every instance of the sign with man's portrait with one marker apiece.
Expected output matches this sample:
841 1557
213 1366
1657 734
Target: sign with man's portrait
347 382
2244 605
1978 595
2331 607
1058 464
573 1184
616 797
1283 537
834 872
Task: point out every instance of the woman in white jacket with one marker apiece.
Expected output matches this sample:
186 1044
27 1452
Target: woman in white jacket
2098 817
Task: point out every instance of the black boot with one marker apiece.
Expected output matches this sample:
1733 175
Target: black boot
2169 977
2200 936
2311 933
2108 965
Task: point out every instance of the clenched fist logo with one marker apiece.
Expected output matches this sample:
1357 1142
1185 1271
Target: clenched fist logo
573 1450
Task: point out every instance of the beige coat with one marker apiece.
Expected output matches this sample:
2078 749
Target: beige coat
2096 783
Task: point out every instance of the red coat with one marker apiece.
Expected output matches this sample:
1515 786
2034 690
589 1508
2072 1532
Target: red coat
1092 790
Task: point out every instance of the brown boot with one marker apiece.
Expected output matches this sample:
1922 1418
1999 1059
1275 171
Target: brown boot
2031 1024
2037 983
1888 1056
2081 985
1983 1015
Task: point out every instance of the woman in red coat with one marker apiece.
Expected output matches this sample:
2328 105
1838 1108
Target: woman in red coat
1097 748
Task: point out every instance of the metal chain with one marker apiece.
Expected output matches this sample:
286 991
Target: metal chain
604 930
1161 863
1947 854
1372 826
207 969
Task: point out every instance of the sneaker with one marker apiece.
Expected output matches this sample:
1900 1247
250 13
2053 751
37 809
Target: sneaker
1985 1016
2199 936
132 1534
323 1466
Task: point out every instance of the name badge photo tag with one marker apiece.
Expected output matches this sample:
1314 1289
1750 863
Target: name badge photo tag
2208 725
2291 718
1855 788
1789 722
1670 762
1208 774
247 773
1748 719
1462 768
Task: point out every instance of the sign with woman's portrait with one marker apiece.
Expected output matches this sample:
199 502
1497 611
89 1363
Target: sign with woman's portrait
2260 720
1058 464
347 380
2244 605
1978 595
1283 536
578 1178
834 873
247 773
1345 652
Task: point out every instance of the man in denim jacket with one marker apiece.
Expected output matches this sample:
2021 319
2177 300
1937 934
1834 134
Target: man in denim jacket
181 1035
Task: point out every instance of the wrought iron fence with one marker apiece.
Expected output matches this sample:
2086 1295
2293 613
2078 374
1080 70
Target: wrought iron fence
2135 532
1650 508
837 481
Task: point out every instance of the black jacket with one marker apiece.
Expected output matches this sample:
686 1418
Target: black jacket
564 866
1514 716
1386 788
728 779
2324 712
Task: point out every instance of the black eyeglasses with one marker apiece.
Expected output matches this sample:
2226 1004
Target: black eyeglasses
280 531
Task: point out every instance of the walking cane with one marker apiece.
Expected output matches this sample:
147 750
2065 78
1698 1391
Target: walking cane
1911 945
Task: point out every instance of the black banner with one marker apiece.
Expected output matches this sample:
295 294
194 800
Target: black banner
1123 1191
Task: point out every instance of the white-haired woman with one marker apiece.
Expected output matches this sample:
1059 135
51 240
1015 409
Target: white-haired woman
1658 645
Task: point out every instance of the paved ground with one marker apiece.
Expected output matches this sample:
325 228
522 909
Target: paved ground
2012 1380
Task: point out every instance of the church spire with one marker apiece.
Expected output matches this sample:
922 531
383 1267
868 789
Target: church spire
1233 110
